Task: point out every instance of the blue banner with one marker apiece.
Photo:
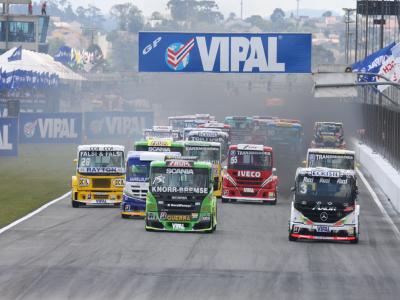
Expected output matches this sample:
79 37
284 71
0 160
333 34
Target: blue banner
8 136
117 125
50 128
372 63
224 52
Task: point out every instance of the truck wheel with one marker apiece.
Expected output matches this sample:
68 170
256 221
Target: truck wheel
75 204
225 200
124 216
291 238
274 202
355 241
212 226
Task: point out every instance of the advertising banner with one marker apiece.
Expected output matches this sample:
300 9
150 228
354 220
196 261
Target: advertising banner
8 136
225 52
117 125
50 128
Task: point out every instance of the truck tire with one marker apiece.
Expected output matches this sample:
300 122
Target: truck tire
224 200
75 204
291 238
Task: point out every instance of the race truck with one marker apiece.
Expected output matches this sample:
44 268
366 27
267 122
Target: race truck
259 135
328 135
137 181
217 125
241 129
286 138
180 197
181 122
330 158
100 176
250 175
211 135
161 132
159 145
209 152
325 205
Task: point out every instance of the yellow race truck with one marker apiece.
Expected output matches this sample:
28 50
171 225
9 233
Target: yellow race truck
100 176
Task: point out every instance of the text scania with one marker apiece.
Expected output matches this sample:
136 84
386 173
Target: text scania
236 50
57 128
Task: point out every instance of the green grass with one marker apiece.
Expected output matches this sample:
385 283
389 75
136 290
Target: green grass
38 175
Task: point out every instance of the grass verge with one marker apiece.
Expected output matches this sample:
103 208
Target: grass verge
38 175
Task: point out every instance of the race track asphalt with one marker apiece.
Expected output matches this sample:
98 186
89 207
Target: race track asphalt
91 253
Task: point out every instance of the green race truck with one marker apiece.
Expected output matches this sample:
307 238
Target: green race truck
180 197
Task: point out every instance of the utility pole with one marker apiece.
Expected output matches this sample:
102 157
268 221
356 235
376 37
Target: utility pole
347 21
297 11
241 9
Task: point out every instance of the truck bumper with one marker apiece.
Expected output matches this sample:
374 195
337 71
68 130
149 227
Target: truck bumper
132 207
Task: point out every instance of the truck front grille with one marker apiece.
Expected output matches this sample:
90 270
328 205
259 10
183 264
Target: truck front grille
138 193
101 182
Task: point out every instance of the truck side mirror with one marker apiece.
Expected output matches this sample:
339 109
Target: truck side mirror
273 170
75 161
292 189
304 162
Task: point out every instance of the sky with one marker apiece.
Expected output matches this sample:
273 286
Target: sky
250 7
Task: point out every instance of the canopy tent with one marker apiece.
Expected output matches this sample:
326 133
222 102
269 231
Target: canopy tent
32 69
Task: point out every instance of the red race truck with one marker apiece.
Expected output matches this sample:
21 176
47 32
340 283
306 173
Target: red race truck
250 175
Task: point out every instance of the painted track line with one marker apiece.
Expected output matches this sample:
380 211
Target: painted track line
35 212
379 204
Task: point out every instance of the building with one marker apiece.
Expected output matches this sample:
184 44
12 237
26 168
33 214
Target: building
28 31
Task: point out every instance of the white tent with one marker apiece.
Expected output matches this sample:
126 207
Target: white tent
37 62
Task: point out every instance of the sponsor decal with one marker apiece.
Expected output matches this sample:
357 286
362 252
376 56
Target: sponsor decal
159 143
178 226
224 52
330 156
323 216
176 218
177 55
100 170
325 173
8 137
320 207
179 171
180 163
50 127
106 125
181 190
252 174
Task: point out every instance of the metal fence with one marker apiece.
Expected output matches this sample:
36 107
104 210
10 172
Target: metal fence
382 131
377 24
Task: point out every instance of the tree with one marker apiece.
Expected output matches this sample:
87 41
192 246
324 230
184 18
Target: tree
128 16
232 16
256 20
182 10
327 14
321 55
135 19
277 15
156 15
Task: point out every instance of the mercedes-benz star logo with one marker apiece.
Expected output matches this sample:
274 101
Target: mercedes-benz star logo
323 216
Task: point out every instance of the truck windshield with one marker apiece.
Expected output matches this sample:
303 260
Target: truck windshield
137 170
180 180
329 129
250 160
283 132
324 189
210 154
334 161
101 161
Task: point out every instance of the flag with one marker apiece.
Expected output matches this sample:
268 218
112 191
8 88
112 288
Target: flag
17 54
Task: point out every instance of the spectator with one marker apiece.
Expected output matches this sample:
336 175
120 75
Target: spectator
30 9
44 7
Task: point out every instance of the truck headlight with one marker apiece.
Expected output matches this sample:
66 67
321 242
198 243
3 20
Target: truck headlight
119 182
84 181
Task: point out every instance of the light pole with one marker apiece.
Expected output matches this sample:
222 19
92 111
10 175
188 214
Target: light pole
241 9
347 21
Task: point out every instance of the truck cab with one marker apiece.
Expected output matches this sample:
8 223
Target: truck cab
180 197
137 181
328 135
325 205
250 175
241 129
209 152
286 137
211 135
100 176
